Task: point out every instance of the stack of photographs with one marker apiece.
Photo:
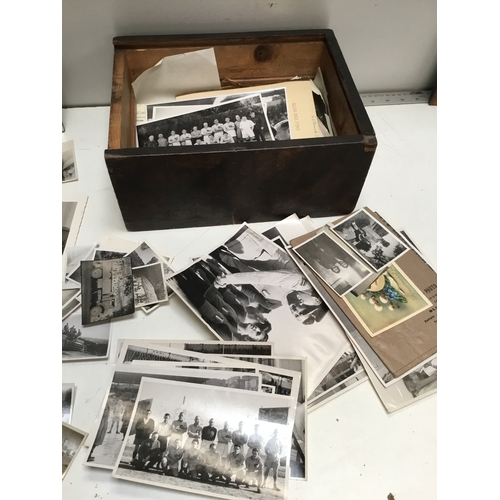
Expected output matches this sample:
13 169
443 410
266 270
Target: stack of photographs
105 281
384 294
220 425
250 289
290 110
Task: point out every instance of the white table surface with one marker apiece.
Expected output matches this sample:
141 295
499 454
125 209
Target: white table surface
357 451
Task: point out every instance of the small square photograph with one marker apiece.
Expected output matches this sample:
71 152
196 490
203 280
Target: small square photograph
69 171
68 391
149 284
370 239
72 442
81 342
390 300
337 267
107 289
144 255
208 461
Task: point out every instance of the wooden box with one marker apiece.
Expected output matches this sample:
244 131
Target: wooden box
163 188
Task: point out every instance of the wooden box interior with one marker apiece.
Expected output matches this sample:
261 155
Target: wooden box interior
242 62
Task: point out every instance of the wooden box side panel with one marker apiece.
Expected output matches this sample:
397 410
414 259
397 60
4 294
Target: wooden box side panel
122 111
173 191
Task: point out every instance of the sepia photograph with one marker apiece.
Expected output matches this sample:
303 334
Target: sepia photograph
72 441
239 121
107 289
81 342
340 270
68 392
194 464
105 446
69 171
149 284
390 300
366 236
250 289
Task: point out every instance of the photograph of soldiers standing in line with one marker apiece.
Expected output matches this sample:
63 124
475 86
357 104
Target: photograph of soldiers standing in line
243 120
195 464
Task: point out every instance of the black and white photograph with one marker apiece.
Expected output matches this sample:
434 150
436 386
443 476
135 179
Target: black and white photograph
74 255
340 270
68 397
70 306
107 289
69 294
81 342
194 464
250 289
72 215
69 170
131 353
243 120
366 236
149 284
72 441
105 446
347 368
103 254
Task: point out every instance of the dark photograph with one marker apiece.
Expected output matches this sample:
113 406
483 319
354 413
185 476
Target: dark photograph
67 402
210 452
370 239
340 270
107 289
238 121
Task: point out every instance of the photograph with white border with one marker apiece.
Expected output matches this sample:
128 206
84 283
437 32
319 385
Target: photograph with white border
197 472
149 284
80 342
251 289
337 267
370 239
105 446
72 441
69 170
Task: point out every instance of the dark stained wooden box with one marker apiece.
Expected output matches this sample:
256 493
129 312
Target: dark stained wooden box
252 182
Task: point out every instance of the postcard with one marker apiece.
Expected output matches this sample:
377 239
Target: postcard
69 170
182 465
223 286
105 446
72 441
68 397
391 299
80 342
338 268
367 237
107 289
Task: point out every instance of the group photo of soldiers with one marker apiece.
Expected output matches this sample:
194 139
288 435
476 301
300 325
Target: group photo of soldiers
223 456
240 121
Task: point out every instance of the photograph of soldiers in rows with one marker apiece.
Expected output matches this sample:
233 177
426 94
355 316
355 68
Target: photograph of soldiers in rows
239 121
116 413
208 440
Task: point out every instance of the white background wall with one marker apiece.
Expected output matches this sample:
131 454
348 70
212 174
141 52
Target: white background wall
389 45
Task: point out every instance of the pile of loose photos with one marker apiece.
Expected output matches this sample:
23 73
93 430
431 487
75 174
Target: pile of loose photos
301 315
